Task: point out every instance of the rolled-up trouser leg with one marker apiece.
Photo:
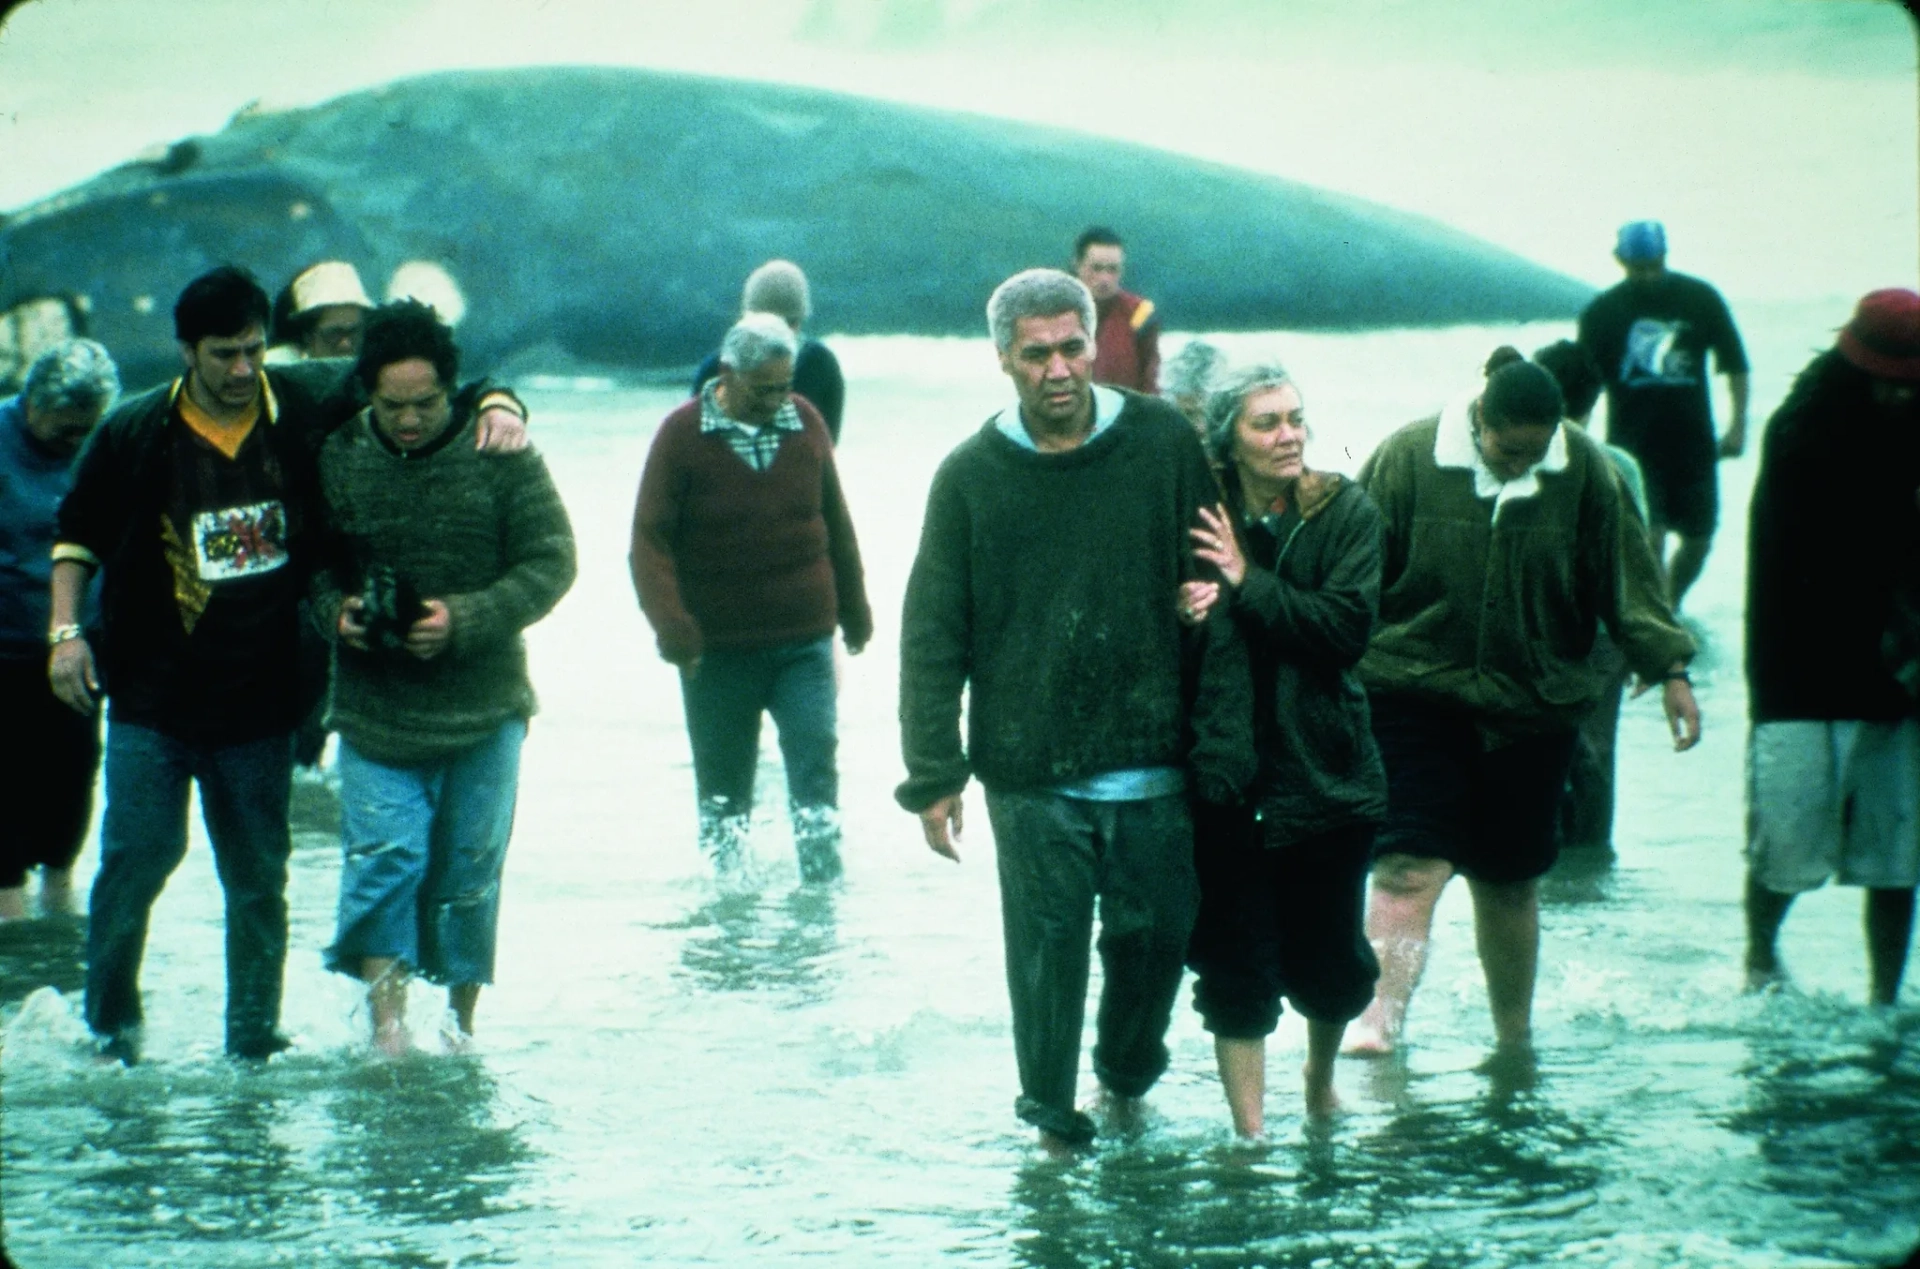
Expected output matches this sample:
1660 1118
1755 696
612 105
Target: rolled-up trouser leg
1149 897
460 903
1046 851
143 838
386 827
1235 949
243 796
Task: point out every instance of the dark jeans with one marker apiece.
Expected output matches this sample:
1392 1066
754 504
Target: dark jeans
724 702
143 837
1057 856
46 784
1274 922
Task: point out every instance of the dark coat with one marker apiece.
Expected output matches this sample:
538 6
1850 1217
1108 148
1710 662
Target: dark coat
1833 552
1306 609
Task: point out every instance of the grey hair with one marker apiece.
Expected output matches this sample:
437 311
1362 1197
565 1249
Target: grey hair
74 374
755 340
1229 397
1037 293
1193 370
778 287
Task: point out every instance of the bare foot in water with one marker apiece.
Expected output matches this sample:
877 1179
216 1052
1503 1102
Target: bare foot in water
1117 1116
1320 1101
56 892
392 1040
1366 1038
1058 1147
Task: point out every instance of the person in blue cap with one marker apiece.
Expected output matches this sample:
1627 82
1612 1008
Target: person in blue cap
1651 335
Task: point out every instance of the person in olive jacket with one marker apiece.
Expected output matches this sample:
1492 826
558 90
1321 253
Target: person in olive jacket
1506 533
1283 878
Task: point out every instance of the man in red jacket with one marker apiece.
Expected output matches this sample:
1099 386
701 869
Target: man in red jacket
1127 343
745 561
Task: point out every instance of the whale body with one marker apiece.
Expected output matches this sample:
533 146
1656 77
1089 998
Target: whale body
606 217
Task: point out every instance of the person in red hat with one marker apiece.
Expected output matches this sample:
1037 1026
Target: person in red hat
1833 642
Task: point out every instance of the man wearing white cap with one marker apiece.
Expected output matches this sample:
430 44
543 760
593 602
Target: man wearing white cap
1833 641
320 313
1650 335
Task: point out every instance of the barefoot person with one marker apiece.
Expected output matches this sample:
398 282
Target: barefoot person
1833 642
1504 539
195 503
1283 878
1054 544
437 558
47 784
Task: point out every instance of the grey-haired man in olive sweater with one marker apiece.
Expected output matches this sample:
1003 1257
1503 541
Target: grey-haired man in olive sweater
1053 548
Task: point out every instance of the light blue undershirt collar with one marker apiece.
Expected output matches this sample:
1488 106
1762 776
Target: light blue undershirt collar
1107 404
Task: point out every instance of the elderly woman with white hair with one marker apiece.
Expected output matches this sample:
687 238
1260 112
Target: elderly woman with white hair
1283 878
47 785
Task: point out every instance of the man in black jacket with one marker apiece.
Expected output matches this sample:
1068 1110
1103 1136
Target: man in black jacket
1054 544
197 499
1833 570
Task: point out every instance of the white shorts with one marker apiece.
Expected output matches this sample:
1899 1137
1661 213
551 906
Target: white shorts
1834 800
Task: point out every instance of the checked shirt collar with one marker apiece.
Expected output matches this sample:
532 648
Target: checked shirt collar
757 446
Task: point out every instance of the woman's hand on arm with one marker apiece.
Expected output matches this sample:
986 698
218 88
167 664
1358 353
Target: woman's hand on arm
1215 543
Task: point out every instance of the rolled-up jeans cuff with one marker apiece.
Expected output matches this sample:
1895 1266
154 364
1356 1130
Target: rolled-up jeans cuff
1069 1125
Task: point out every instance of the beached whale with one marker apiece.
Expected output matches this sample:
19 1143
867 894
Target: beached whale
606 217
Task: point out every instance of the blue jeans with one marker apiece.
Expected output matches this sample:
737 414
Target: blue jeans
724 702
143 838
424 848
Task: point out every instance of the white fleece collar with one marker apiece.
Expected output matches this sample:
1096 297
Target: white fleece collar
1453 447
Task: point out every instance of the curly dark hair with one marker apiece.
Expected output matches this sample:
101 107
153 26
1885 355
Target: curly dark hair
401 331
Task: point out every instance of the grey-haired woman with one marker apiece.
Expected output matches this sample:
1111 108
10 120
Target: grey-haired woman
1283 879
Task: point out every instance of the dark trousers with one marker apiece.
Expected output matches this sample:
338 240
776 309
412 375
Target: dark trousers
143 838
46 784
724 701
1279 921
1586 812
1058 858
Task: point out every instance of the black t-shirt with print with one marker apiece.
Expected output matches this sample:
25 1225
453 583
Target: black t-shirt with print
1651 339
212 657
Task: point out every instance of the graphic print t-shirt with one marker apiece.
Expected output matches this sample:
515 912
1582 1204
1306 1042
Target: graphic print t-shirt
1652 340
219 664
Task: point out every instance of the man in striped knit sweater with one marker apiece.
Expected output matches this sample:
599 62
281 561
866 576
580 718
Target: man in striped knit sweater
744 560
437 558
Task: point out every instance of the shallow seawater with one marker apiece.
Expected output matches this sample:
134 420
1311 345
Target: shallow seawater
677 1073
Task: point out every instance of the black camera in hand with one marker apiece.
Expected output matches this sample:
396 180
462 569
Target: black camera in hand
389 605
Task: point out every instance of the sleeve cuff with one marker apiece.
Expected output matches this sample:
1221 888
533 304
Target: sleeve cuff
75 552
503 399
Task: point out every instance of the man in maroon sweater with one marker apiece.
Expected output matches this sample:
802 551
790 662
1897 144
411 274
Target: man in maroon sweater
745 561
1127 336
